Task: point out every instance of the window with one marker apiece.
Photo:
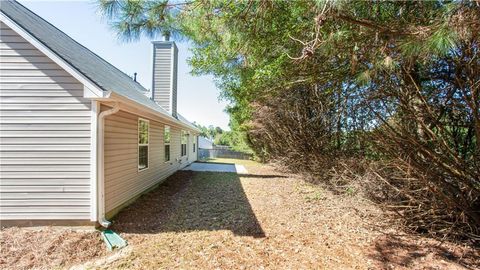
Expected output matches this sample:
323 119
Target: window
143 130
166 142
184 143
194 143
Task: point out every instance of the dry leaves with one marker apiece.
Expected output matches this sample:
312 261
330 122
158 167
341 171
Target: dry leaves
263 220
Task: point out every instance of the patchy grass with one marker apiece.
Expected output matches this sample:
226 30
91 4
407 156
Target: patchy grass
269 220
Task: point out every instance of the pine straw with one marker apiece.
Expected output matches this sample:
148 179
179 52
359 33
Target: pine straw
48 247
270 220
264 220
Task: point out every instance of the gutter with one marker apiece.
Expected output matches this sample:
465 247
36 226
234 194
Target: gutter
142 107
100 165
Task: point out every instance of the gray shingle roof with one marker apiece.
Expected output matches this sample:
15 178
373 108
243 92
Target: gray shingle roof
103 74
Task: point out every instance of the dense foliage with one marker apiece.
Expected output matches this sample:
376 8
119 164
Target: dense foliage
209 132
234 139
326 85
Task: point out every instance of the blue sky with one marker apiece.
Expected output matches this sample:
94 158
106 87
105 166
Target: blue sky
197 96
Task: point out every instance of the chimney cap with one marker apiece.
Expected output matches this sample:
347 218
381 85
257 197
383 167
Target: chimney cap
166 36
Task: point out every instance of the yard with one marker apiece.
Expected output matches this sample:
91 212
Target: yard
261 219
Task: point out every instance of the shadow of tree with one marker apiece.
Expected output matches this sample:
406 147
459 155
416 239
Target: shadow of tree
192 201
393 251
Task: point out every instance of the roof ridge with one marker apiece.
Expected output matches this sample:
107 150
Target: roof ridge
96 69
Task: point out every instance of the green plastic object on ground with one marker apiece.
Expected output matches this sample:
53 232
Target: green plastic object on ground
113 240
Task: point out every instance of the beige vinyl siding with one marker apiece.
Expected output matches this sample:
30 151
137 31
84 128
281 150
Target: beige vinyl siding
44 136
164 82
123 180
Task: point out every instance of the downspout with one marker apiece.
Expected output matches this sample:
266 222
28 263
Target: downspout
100 166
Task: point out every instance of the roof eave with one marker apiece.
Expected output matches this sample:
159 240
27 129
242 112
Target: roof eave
93 89
137 108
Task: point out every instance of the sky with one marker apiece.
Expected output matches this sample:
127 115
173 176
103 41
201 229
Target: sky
197 98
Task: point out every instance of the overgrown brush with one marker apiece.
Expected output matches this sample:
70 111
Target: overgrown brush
304 130
328 86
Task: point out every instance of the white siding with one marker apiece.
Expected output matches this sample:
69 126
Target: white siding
44 136
123 181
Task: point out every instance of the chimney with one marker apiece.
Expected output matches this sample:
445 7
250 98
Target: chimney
164 82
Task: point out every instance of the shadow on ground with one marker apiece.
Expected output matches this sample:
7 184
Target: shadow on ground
192 201
263 176
392 251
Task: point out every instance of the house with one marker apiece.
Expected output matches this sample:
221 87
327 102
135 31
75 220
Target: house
204 143
79 139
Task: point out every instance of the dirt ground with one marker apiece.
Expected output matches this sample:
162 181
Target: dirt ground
262 220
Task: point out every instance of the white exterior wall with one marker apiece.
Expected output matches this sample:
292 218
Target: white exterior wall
123 181
44 136
204 143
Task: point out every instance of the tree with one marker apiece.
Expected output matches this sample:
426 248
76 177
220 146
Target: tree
319 83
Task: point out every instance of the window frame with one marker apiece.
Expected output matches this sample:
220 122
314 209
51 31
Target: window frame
183 134
169 143
139 144
194 144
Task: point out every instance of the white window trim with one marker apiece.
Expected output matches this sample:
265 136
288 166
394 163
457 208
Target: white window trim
194 143
138 144
183 133
169 144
